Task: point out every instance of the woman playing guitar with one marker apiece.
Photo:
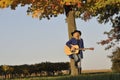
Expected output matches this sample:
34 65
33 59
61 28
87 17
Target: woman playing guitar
74 48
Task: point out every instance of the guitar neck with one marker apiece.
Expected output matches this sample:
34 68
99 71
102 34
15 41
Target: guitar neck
84 49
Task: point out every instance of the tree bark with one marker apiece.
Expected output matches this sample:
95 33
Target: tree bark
71 27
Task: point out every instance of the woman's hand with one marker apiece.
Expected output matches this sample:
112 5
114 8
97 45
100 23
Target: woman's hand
73 48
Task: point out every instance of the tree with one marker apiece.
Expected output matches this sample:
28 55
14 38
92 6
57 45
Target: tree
34 69
113 34
1 71
17 71
115 58
111 41
5 69
25 70
84 9
11 69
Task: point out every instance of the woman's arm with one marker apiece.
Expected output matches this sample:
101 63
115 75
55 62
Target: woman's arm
69 43
82 43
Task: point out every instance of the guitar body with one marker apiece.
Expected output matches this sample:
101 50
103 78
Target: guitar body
68 51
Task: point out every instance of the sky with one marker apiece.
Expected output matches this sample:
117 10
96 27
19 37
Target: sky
24 40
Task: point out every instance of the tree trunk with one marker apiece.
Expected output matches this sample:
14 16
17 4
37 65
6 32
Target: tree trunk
71 27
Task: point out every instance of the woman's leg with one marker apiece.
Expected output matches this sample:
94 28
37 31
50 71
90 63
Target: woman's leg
79 64
76 58
79 61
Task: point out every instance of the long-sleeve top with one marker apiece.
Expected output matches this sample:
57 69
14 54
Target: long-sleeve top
79 42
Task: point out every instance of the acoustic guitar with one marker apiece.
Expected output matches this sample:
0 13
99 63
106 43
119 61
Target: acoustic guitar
68 51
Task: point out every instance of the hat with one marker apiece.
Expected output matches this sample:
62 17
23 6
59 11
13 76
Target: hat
75 32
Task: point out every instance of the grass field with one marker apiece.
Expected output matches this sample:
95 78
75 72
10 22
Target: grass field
105 74
100 76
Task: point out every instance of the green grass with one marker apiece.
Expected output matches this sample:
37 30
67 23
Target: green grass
103 76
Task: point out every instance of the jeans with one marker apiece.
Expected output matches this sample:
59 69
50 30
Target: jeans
77 59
